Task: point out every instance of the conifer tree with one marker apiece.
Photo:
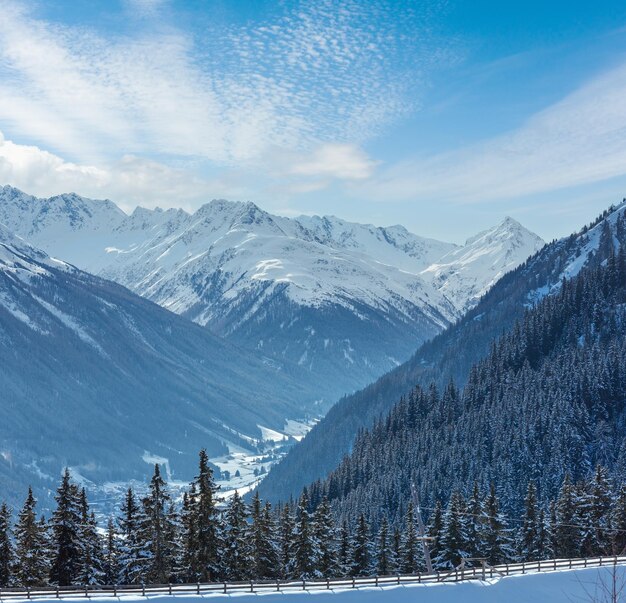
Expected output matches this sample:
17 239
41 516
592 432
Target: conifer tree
435 530
31 568
67 549
498 547
111 568
91 562
264 552
384 552
475 520
133 555
205 520
188 540
156 532
529 539
409 560
567 533
345 551
326 563
6 547
236 556
286 542
453 544
361 549
304 543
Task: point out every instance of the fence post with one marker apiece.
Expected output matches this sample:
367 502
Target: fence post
600 560
303 584
143 589
277 585
376 580
115 590
327 583
251 586
170 589
28 592
555 564
58 592
523 567
354 581
398 578
198 588
225 588
86 591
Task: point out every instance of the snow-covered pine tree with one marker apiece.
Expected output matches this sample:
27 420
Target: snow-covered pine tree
475 518
67 547
111 568
567 532
157 532
304 544
498 545
236 554
205 521
595 515
91 560
188 539
385 561
6 547
31 568
453 544
409 548
530 546
435 530
286 541
263 549
345 551
325 540
361 549
132 556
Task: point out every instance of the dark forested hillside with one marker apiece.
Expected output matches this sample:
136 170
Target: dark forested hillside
548 401
449 355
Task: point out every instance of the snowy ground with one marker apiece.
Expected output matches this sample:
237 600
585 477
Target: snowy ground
554 587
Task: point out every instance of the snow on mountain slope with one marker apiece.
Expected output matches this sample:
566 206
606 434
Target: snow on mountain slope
465 274
345 301
98 378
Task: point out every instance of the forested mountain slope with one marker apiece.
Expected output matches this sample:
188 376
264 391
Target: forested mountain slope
96 377
450 355
549 400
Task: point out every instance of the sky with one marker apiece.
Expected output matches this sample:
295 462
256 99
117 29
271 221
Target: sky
442 116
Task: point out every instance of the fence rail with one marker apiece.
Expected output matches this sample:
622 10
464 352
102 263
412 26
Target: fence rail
459 574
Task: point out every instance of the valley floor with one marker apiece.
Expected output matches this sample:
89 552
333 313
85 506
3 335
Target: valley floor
582 585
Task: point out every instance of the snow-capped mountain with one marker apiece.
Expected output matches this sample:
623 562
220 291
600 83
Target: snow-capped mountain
345 301
465 274
98 378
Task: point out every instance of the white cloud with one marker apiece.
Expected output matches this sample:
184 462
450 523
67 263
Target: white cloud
130 181
341 161
579 140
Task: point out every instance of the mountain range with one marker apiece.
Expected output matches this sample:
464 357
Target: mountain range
345 302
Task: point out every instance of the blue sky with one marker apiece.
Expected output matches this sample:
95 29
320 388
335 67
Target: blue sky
442 116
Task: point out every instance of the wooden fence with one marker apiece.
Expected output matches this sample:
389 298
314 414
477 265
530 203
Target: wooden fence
459 574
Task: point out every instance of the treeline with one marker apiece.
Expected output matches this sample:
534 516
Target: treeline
155 541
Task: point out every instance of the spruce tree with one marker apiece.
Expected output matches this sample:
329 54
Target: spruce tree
236 557
345 550
6 547
361 549
264 550
111 568
326 562
435 530
453 544
385 564
157 532
31 568
133 554
91 561
498 547
475 520
567 532
304 543
409 548
529 538
67 549
286 542
618 522
205 520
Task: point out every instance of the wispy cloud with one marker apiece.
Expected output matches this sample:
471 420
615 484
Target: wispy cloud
579 140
